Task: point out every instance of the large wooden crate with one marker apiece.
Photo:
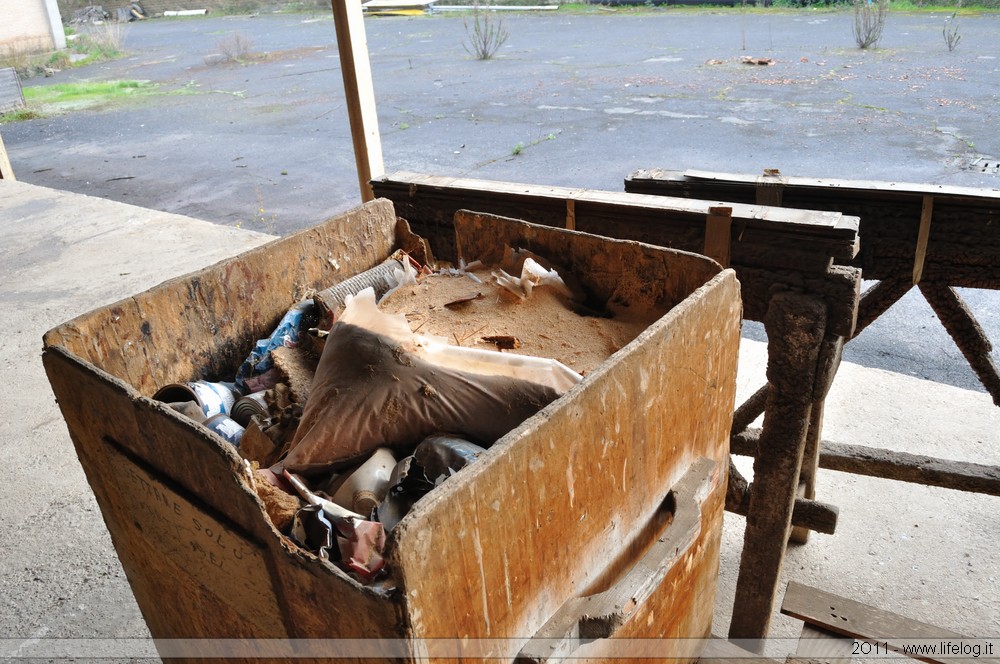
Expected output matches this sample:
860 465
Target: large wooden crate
564 516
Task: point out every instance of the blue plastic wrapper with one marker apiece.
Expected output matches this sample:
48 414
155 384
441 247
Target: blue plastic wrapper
286 334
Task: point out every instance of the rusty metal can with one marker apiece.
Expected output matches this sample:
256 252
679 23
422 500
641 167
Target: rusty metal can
248 406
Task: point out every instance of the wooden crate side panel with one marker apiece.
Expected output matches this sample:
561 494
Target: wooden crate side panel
193 574
495 552
203 325
200 553
159 534
620 271
680 611
320 604
97 408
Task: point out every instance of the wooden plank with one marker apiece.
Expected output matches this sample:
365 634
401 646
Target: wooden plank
433 199
719 234
823 223
6 172
906 467
355 67
891 465
923 234
819 646
718 650
914 188
862 622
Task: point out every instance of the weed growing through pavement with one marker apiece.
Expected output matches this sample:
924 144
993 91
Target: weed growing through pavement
520 147
236 47
486 34
869 21
950 31
261 217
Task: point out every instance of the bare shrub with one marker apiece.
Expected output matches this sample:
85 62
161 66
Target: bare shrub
869 21
486 34
236 47
950 31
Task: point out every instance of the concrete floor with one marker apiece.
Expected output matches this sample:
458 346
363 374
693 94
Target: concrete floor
923 552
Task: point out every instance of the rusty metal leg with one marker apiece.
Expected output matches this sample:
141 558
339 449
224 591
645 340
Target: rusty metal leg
795 325
966 331
829 361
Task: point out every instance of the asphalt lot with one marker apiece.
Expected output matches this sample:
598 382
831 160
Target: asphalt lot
576 100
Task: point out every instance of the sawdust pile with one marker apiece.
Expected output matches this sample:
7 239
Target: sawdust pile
468 313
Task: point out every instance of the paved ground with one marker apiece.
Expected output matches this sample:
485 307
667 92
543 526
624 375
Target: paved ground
589 97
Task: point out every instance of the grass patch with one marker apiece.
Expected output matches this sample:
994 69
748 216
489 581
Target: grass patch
20 115
64 97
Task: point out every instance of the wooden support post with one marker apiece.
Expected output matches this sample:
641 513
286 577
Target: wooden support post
359 93
828 363
718 234
770 188
923 234
795 325
750 410
965 330
6 172
891 465
877 299
571 214
916 468
808 515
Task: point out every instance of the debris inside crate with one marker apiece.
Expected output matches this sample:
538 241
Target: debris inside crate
380 388
380 384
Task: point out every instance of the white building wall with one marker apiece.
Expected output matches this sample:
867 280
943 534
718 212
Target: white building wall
30 25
